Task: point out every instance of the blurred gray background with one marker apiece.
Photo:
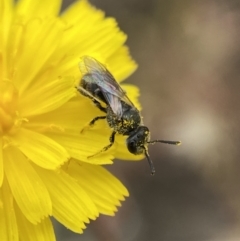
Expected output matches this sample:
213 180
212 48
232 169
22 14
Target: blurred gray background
189 68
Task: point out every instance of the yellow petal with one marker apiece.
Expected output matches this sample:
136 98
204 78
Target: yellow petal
98 34
88 13
65 124
26 186
8 223
28 66
133 94
103 188
120 64
42 231
71 117
1 161
40 149
38 8
6 7
82 146
71 205
47 97
5 20
105 38
13 45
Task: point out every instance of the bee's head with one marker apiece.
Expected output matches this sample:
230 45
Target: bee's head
138 139
137 143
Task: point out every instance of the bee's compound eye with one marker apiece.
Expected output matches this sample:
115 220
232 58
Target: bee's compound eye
131 145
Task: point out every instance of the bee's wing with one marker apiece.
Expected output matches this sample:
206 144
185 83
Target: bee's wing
111 90
114 103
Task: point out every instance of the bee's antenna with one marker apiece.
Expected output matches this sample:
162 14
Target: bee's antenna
166 142
150 162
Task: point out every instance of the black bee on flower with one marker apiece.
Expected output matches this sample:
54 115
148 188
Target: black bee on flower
98 84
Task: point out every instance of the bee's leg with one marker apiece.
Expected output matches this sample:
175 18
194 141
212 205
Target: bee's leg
97 103
111 139
92 122
99 106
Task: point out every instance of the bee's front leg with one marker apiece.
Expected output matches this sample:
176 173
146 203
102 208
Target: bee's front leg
111 139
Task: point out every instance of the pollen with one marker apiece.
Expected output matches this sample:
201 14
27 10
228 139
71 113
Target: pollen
8 106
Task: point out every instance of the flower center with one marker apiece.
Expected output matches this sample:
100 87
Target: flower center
8 106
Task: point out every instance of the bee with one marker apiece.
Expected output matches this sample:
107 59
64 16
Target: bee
98 84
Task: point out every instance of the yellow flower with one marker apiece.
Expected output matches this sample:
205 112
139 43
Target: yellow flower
44 169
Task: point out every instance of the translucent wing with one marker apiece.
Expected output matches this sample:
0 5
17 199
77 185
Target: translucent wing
109 87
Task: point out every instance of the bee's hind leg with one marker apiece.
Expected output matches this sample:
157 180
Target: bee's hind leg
97 103
92 122
99 106
111 139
